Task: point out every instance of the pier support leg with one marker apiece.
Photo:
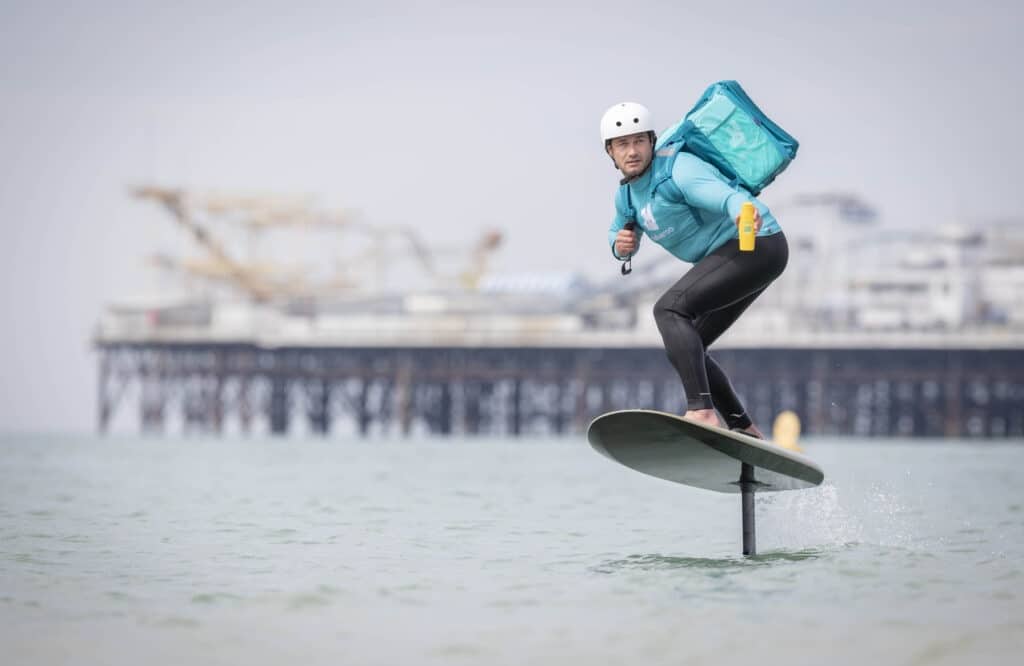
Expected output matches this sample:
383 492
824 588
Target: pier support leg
279 406
517 411
105 403
747 486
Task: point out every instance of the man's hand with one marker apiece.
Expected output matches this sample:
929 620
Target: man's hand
625 243
757 221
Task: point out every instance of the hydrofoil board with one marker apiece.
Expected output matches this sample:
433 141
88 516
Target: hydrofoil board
669 447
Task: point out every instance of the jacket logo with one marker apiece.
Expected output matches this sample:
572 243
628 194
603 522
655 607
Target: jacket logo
648 217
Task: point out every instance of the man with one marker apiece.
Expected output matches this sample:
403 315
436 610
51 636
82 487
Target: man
700 227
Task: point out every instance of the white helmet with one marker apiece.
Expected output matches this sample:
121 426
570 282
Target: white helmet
625 119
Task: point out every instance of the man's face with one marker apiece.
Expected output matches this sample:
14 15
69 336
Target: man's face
631 153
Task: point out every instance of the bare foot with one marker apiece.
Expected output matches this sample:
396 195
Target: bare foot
703 417
753 431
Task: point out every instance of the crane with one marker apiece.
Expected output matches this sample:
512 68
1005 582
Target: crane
264 281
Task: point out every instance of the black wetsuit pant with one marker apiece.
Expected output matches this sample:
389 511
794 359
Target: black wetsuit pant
702 305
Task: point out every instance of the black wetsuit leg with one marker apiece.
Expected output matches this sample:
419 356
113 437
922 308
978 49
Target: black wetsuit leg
702 305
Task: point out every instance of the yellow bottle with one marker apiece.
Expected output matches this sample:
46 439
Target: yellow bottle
747 227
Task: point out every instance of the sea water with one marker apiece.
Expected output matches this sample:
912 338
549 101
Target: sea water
533 551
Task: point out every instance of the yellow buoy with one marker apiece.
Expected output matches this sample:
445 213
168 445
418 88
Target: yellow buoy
786 430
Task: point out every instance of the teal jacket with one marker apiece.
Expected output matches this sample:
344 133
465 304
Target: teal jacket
695 225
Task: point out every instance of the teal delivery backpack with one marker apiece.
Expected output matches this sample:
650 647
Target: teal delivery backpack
726 129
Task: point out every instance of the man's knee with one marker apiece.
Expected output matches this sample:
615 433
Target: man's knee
669 307
661 314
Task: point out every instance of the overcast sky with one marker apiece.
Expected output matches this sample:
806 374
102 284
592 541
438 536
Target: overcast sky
456 118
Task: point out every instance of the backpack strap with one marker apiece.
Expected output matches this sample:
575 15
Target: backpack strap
624 206
662 176
624 202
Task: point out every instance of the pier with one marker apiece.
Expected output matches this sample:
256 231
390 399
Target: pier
440 391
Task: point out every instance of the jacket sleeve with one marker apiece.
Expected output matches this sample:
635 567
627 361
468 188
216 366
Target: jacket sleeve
704 187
